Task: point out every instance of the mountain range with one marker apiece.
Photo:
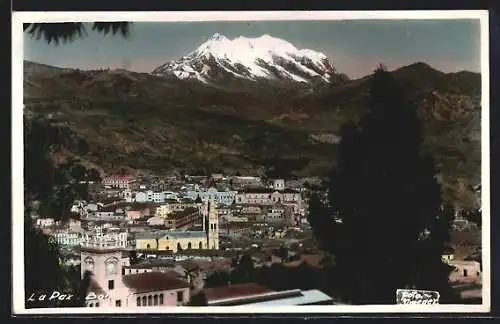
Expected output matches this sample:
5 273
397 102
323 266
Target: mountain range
247 105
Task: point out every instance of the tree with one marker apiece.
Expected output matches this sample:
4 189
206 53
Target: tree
383 204
68 32
218 278
94 175
244 270
474 216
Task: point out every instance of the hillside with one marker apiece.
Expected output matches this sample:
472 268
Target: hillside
121 119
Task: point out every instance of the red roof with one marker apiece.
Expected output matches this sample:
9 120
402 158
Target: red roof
232 291
153 281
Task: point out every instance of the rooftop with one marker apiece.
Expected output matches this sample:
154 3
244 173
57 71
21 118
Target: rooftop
153 281
186 212
307 297
231 291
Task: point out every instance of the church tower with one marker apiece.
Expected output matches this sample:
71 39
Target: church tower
212 228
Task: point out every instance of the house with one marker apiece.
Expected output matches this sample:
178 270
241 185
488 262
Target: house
182 219
102 235
220 197
246 181
278 184
465 272
217 176
448 255
265 196
173 207
251 209
133 214
140 210
92 207
141 197
275 214
67 238
110 286
75 225
224 211
235 229
119 181
45 222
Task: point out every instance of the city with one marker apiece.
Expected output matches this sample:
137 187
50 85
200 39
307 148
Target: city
159 241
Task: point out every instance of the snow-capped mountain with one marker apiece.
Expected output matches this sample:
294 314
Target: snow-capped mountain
264 58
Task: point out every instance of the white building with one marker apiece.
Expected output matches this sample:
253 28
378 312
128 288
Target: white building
118 181
148 196
263 196
67 238
111 287
278 184
275 215
101 235
220 197
45 222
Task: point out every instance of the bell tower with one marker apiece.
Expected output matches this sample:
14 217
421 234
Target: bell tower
213 226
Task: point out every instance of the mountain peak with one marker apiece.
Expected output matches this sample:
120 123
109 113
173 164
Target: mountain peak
217 37
252 59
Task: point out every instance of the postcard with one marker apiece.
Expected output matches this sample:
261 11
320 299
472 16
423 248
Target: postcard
250 162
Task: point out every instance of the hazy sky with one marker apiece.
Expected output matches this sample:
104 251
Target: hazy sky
355 47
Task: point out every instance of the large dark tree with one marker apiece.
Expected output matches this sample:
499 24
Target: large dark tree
382 219
244 271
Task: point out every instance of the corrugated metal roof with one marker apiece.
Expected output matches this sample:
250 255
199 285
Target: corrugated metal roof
306 297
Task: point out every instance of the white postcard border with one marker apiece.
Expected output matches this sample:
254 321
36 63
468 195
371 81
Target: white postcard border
18 18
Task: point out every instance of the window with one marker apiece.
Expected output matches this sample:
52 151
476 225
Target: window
89 264
144 301
138 301
465 272
179 247
123 271
161 299
148 246
111 284
118 303
155 300
180 296
96 304
150 300
200 246
91 305
189 246
111 266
